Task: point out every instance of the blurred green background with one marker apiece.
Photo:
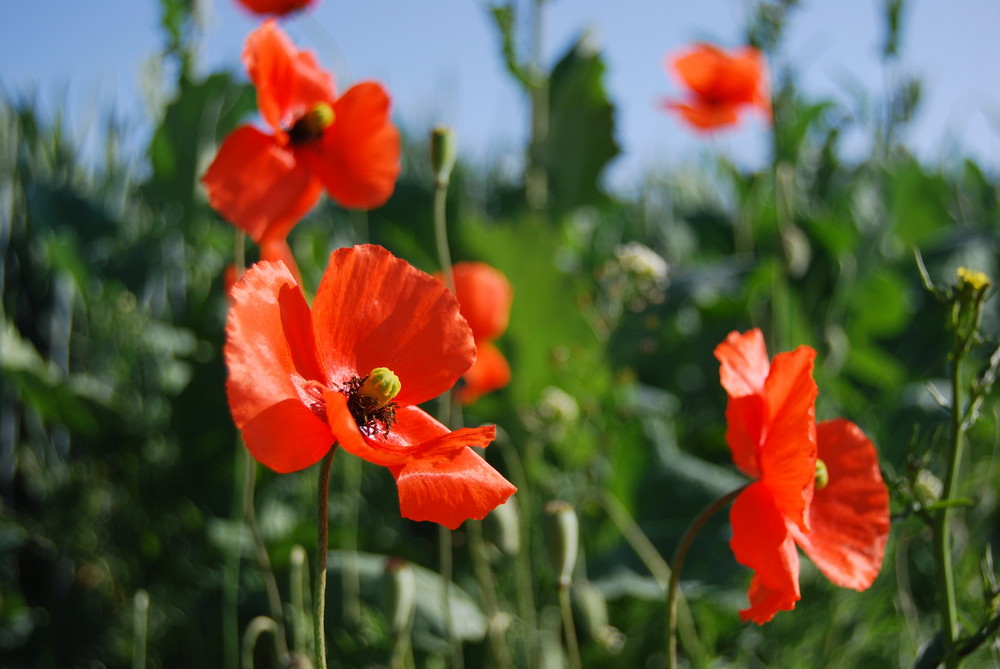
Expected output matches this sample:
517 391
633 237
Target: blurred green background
121 474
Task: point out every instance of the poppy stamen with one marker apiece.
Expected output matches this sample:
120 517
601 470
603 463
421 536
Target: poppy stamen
369 399
310 126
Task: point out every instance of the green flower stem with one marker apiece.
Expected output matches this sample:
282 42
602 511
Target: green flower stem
446 551
569 627
942 531
487 584
322 545
675 575
263 561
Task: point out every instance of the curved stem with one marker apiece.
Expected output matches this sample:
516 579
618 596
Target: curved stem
675 574
569 628
942 531
323 529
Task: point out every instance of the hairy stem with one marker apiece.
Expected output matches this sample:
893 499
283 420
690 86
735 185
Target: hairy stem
322 544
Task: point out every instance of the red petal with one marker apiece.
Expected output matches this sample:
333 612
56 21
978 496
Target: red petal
289 82
489 372
287 437
450 490
746 420
276 7
788 455
269 348
761 542
743 362
705 117
484 296
358 158
374 310
275 248
850 516
717 77
257 186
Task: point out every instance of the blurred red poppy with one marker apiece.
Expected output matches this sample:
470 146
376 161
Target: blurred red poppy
264 183
300 380
719 85
276 7
484 296
842 523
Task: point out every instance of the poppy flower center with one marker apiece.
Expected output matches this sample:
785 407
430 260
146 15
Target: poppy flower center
369 399
310 126
822 475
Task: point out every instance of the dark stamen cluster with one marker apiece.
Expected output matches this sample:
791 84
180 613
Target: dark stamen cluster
303 131
370 420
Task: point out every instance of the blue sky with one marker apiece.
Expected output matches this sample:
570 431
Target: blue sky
440 61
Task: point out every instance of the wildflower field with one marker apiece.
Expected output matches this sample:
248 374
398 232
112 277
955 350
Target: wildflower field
305 388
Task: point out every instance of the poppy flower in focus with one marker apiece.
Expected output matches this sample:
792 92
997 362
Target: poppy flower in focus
381 338
264 183
484 297
815 486
719 85
276 7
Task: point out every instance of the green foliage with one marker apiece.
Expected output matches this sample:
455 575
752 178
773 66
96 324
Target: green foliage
120 470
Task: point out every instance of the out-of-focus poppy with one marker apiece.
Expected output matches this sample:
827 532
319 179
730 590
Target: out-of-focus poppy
719 85
381 338
484 296
276 7
818 486
265 183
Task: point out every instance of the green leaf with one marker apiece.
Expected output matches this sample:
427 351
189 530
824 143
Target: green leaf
581 139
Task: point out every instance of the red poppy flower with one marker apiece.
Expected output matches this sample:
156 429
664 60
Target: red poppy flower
300 380
276 7
719 84
842 525
484 296
264 183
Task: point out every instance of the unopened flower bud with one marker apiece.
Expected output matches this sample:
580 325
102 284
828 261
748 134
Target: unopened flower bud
927 487
381 386
505 527
443 154
400 595
563 537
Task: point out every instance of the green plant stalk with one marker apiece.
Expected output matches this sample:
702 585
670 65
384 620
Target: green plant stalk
263 561
487 584
231 584
569 628
299 583
322 546
675 574
140 624
257 626
446 557
942 537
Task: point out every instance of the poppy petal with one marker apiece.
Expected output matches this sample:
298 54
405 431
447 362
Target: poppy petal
274 248
374 310
704 116
287 437
761 541
744 365
276 7
484 295
358 157
850 516
745 422
257 186
489 372
450 490
289 82
720 77
788 455
269 347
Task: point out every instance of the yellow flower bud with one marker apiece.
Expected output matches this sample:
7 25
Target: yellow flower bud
975 280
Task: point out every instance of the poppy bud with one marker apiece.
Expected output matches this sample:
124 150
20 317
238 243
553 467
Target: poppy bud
382 385
443 154
822 475
504 523
928 487
400 595
563 536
